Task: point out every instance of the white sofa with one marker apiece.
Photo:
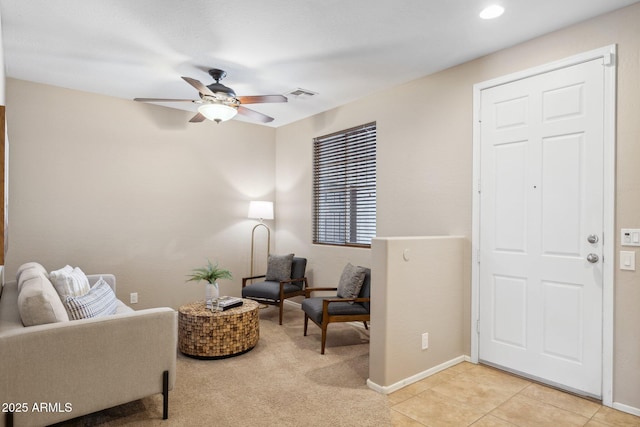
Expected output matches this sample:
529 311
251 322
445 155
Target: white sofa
56 371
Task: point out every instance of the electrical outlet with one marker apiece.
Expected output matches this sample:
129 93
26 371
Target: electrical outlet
425 341
133 298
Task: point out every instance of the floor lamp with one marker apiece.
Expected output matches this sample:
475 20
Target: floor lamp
260 210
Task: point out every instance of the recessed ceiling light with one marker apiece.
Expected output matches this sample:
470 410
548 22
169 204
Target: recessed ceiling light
492 11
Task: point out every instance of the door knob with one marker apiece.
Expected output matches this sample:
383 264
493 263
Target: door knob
593 258
592 238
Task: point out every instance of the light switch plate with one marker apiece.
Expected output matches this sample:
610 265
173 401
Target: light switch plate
630 237
627 260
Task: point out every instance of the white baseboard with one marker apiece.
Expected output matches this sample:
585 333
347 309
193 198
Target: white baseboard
626 408
417 377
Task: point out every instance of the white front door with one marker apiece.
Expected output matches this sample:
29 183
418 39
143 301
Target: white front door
541 226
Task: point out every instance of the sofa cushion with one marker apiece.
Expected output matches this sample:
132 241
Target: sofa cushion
9 312
351 281
279 267
99 301
69 282
39 303
29 269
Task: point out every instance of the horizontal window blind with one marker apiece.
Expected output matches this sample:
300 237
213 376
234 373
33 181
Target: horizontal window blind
344 187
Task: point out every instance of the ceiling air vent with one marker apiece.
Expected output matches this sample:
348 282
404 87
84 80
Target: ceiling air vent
301 93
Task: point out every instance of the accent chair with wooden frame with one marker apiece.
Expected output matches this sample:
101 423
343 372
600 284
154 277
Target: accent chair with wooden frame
274 292
324 310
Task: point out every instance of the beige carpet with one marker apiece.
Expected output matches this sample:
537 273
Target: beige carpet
283 381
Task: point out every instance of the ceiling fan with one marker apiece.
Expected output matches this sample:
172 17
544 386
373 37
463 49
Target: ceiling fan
219 102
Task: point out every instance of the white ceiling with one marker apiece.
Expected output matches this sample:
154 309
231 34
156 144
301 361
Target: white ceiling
341 49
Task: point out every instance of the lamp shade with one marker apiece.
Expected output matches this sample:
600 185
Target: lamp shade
217 112
261 210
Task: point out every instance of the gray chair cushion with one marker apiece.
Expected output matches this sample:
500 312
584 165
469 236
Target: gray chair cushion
267 290
365 290
313 308
298 269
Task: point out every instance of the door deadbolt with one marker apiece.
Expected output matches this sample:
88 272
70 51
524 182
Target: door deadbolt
592 238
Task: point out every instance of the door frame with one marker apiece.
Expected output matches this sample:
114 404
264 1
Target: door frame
608 54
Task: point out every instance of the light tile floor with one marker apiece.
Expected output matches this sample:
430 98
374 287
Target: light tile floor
480 396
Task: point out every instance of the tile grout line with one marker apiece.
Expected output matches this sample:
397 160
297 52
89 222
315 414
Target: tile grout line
503 403
410 417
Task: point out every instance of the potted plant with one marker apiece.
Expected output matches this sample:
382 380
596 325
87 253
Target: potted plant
210 274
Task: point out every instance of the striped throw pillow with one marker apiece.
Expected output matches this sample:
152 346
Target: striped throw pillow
99 301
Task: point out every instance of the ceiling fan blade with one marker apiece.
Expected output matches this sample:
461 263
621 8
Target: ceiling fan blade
201 88
254 115
258 99
162 100
197 118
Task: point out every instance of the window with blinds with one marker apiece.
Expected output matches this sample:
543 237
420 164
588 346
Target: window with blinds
344 187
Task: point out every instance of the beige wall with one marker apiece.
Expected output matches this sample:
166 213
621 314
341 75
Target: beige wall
421 284
425 165
112 185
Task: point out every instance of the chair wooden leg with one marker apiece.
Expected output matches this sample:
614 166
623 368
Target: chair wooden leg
281 310
306 321
365 325
324 337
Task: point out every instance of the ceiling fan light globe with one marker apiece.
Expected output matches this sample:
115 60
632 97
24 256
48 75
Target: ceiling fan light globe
217 112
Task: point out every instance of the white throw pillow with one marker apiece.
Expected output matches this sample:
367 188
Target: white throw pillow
99 301
69 282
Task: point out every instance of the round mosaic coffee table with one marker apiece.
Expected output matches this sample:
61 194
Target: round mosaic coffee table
205 334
